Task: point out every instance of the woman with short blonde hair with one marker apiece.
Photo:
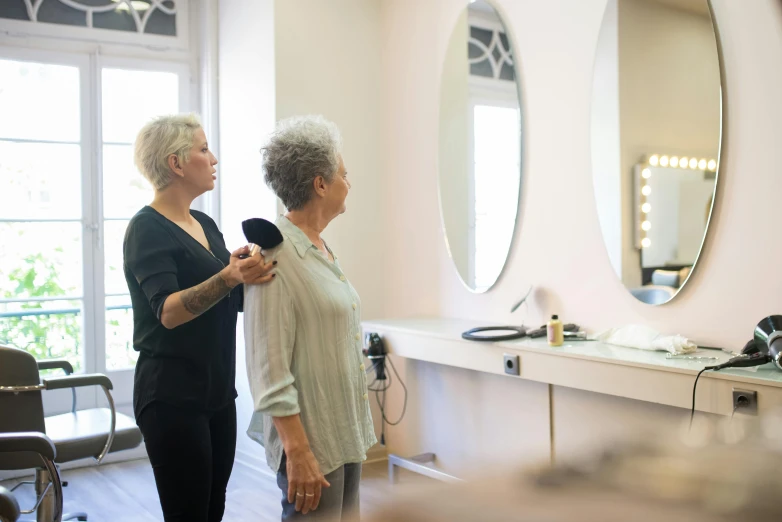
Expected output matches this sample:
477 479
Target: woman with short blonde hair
186 290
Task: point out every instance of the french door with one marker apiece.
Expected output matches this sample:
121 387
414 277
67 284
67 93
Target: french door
68 187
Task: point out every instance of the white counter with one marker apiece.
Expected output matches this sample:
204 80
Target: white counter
583 365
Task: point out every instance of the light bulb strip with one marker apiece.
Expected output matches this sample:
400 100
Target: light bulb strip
644 174
681 162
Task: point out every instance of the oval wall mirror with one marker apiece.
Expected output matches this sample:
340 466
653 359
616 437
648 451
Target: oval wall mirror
656 136
479 146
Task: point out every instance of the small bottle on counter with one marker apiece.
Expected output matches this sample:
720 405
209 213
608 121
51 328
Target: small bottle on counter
555 331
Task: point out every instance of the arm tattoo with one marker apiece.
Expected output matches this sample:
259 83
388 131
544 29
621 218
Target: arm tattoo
204 296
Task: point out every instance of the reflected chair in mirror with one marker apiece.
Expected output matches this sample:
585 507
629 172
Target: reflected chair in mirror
79 434
672 278
653 294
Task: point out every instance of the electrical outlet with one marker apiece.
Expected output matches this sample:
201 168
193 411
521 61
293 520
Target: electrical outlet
511 364
745 401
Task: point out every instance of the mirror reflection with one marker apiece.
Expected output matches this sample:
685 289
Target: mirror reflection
480 146
656 134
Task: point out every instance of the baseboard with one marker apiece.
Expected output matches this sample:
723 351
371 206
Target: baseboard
376 453
137 453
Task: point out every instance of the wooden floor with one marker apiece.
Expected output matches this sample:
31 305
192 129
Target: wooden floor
125 492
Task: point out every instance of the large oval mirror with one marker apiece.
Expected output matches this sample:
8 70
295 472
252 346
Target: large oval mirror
480 146
656 135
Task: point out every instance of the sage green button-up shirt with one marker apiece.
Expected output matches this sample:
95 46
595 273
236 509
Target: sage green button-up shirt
303 340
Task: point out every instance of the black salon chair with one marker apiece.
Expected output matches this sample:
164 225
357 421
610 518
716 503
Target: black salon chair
9 507
80 434
35 446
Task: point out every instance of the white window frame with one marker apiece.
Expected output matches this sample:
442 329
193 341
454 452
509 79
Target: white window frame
91 50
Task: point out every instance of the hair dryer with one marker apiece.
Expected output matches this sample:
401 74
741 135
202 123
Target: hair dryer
768 338
376 352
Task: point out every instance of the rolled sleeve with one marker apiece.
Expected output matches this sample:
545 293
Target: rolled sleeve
149 255
270 325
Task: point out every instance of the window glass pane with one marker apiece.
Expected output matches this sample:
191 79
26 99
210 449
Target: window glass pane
125 190
40 260
39 101
162 23
14 9
132 98
46 329
40 180
120 354
114 234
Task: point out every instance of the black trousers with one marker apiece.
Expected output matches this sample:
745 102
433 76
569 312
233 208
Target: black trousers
192 454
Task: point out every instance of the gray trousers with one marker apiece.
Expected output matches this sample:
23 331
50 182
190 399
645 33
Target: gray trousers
338 503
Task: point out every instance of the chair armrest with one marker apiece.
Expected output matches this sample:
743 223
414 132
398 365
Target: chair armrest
39 443
90 379
27 441
56 364
77 381
59 364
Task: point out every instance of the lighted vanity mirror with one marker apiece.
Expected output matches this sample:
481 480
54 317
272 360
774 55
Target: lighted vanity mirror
479 146
656 136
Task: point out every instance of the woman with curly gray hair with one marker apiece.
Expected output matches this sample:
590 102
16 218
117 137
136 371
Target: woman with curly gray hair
303 335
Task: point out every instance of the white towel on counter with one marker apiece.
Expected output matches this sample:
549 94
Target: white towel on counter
645 338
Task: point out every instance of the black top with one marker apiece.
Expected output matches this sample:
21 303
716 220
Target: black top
194 364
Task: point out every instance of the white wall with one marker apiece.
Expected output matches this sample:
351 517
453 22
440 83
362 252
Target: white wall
328 61
280 59
246 116
669 88
559 246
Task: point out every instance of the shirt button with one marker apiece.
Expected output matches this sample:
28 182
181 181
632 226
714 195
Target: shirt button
366 396
362 367
354 306
358 337
341 278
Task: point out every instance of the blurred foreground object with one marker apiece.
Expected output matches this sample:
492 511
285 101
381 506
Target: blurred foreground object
723 470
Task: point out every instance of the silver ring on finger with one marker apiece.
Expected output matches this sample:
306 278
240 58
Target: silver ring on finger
309 494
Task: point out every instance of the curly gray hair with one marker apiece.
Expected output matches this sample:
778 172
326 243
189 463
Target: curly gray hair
301 149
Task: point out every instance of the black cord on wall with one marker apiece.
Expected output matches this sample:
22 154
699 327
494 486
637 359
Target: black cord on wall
380 396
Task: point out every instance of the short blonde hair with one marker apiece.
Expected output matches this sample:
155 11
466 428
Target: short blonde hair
158 139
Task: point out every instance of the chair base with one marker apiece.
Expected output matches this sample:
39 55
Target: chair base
46 509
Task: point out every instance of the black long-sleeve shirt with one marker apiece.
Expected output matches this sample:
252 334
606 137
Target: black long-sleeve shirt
194 364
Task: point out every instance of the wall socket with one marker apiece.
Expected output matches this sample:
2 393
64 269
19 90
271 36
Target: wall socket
745 401
511 364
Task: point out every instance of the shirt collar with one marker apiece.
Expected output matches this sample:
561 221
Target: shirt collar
295 235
